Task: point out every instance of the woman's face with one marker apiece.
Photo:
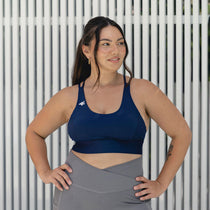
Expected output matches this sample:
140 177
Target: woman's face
111 49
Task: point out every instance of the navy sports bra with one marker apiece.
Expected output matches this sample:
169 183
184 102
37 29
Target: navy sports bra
122 131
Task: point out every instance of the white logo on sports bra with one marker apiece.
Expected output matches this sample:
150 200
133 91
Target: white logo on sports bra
82 103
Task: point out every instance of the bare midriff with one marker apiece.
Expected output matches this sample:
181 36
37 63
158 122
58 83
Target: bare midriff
105 160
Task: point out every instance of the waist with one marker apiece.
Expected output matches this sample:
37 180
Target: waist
108 146
104 160
121 176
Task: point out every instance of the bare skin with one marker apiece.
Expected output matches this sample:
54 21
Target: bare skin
148 98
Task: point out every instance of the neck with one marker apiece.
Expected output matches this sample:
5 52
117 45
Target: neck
106 79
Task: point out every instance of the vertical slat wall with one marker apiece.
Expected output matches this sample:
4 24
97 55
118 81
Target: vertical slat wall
162 85
37 50
187 104
16 99
145 72
204 109
179 94
31 97
40 88
195 109
154 79
56 74
23 107
8 109
170 88
2 142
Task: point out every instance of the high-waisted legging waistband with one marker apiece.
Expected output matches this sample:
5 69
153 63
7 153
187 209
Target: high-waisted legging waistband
100 189
102 180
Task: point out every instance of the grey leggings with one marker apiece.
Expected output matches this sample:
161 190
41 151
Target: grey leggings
101 189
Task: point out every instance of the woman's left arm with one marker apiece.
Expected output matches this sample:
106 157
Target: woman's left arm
167 116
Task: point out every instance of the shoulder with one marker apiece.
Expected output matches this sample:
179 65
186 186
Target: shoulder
66 93
149 92
144 83
144 87
161 109
65 99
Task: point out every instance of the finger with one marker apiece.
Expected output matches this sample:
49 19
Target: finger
143 192
56 183
141 178
146 197
140 186
62 181
65 176
66 167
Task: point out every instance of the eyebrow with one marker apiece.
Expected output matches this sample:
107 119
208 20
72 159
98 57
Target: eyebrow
110 40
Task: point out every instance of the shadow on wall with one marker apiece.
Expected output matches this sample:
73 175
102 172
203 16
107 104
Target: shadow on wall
209 44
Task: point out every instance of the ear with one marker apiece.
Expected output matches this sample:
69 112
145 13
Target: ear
86 51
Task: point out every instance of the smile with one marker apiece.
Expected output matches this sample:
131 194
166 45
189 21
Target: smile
114 60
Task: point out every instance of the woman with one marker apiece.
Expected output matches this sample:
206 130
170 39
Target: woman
108 116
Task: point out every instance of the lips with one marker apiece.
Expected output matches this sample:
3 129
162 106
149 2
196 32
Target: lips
115 59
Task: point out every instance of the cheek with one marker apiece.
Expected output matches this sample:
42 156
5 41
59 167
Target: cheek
103 50
103 54
123 50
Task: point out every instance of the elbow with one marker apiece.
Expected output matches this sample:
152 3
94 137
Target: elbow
184 135
189 132
188 135
27 135
32 134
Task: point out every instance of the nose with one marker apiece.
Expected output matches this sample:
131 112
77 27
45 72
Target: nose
115 50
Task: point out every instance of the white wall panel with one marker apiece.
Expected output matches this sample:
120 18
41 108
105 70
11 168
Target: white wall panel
8 108
112 9
187 103
145 75
204 110
179 93
57 72
16 107
40 88
95 7
196 109
24 154
162 86
63 76
37 50
31 97
154 80
2 141
137 50
47 89
170 84
71 36
87 11
120 16
104 10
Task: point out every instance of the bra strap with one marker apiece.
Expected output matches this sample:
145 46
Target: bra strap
81 96
124 79
83 84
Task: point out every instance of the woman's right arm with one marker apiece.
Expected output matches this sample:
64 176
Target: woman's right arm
52 116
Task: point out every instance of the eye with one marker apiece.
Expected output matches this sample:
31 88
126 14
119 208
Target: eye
105 44
121 43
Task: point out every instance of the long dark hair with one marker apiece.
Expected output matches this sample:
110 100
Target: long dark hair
82 69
